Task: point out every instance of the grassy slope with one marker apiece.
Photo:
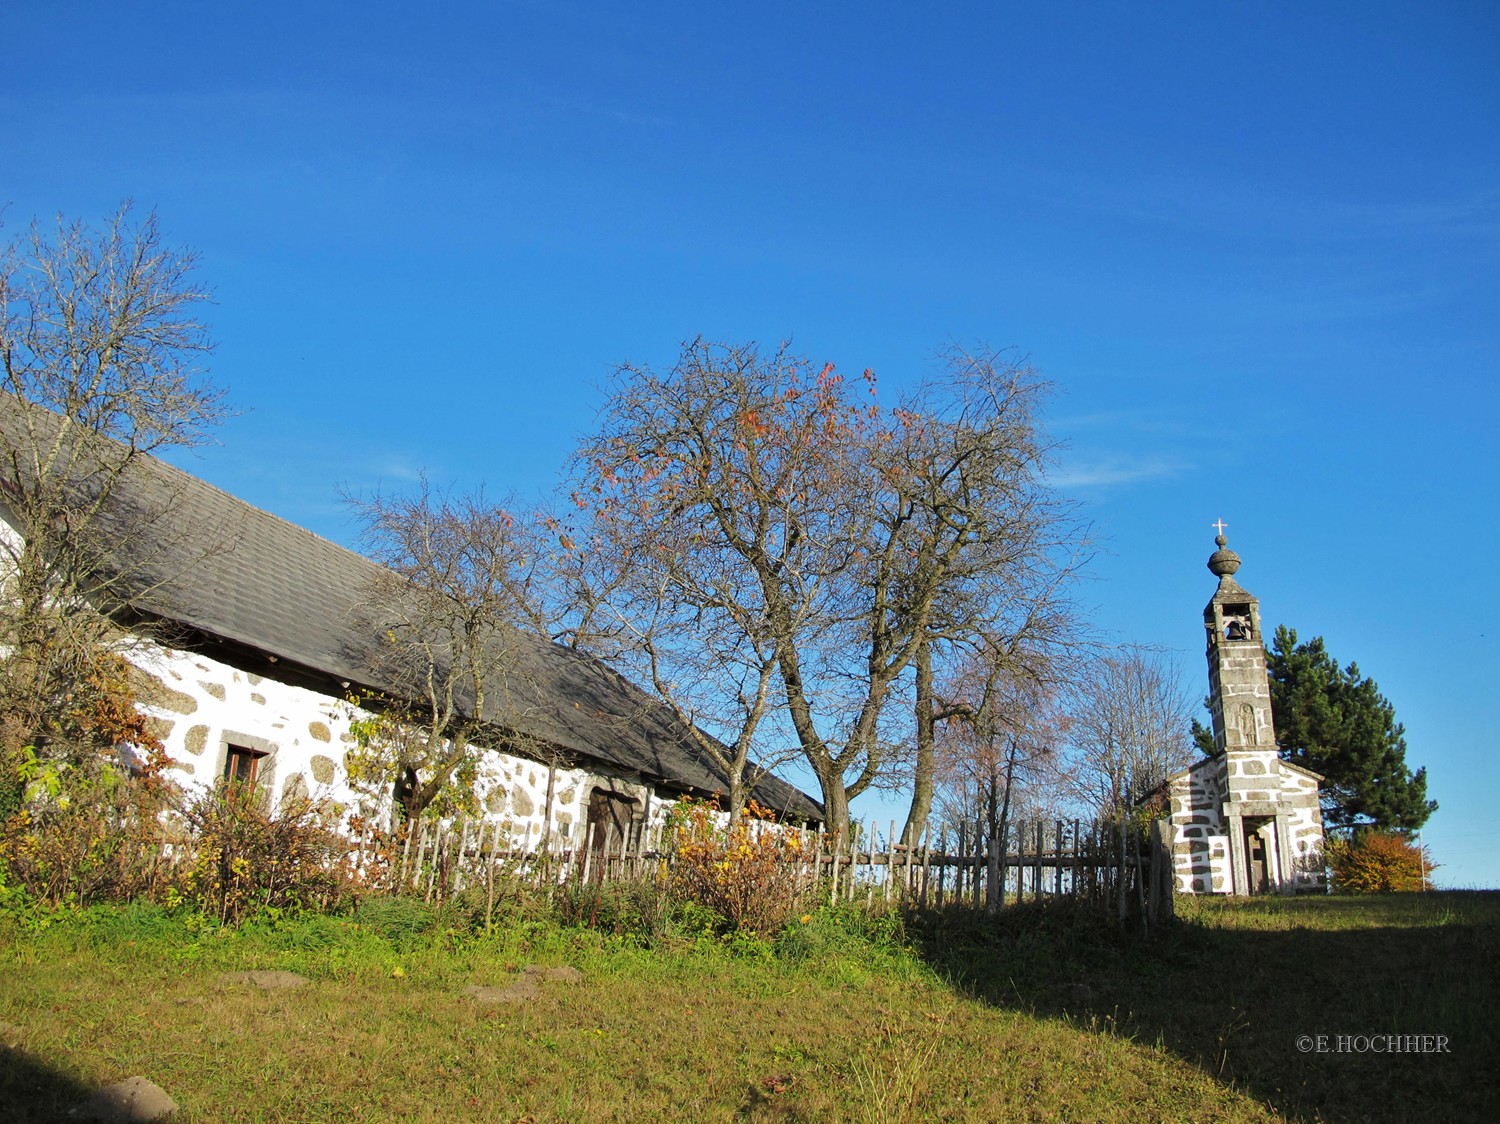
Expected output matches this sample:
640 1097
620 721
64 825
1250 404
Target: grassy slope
1052 1017
1234 987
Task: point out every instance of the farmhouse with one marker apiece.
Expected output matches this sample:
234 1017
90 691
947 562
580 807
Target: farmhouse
251 644
1243 820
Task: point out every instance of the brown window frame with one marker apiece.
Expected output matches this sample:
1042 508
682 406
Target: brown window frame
242 763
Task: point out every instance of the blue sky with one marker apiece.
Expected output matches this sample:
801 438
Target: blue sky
1256 247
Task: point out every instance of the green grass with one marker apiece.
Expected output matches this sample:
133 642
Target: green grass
1042 1014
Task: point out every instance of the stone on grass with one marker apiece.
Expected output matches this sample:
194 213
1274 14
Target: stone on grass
521 991
565 974
266 980
10 1034
128 1101
525 987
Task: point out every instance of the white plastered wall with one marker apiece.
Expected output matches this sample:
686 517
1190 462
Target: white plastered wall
199 707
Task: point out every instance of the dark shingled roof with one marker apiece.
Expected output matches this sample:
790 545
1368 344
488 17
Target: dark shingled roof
273 589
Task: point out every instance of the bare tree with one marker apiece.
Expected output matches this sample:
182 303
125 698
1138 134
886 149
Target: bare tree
451 612
712 499
976 550
1128 728
664 611
845 545
100 341
996 756
738 468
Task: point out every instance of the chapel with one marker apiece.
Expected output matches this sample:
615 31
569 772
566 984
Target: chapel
1243 820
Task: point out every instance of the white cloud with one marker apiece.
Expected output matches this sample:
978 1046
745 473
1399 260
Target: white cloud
1112 471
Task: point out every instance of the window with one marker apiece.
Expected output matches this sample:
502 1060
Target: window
241 763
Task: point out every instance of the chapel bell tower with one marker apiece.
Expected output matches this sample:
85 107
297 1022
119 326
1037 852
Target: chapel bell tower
1260 857
1238 688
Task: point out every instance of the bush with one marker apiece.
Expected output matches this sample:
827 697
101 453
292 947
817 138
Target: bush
1375 862
246 858
750 875
86 833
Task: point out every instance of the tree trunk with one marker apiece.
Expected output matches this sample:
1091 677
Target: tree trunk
995 853
1003 823
736 796
922 775
835 800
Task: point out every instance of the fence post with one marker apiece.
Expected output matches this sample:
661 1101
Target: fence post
489 875
1060 830
400 880
921 875
942 865
1123 885
1020 864
432 857
1163 883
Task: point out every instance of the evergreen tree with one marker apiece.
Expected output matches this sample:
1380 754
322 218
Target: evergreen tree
1337 723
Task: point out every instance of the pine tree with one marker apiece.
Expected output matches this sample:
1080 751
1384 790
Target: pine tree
1336 722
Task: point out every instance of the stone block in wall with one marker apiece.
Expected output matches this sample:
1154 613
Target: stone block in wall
195 740
160 728
494 803
521 802
320 731
322 769
214 689
294 788
151 691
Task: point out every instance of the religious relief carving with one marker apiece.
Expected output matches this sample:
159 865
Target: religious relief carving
1247 724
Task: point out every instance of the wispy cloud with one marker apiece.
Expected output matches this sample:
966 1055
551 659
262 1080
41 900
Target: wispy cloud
1167 420
1113 471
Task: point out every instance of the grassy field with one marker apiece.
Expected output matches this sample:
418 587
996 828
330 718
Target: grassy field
1047 1014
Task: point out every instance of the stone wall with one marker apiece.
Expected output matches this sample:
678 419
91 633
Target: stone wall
200 708
1214 798
1239 695
1200 849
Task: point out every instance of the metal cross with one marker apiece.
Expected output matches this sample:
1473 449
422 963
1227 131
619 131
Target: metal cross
1220 525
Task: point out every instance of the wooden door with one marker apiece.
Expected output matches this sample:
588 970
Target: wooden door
1255 857
609 812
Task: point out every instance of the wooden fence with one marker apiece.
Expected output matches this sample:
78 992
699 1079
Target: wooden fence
1126 868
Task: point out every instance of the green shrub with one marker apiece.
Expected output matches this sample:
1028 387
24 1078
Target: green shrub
401 921
86 833
646 910
247 859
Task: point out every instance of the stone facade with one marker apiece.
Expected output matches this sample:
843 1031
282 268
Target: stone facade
1243 820
207 712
